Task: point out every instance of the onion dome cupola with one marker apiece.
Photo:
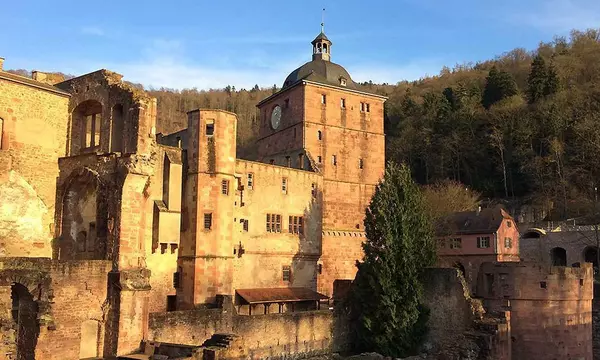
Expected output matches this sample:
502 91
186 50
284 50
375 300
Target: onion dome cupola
321 47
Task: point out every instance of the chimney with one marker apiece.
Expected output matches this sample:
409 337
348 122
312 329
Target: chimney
1 63
38 76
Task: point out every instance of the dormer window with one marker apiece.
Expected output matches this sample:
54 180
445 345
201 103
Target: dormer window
342 81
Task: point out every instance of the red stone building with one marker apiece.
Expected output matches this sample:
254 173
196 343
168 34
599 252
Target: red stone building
470 238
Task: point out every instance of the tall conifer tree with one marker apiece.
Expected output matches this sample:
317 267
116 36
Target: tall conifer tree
387 292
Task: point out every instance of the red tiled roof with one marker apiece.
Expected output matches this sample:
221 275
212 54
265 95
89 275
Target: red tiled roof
279 295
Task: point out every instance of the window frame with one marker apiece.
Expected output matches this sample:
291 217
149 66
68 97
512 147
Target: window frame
323 99
208 220
286 270
455 243
273 223
296 224
284 185
483 240
225 187
250 180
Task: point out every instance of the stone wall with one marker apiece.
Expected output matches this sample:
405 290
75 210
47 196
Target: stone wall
188 327
33 136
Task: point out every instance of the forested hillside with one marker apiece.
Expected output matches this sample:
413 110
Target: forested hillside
524 126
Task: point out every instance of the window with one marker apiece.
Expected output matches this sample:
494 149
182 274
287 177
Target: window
273 223
343 103
177 278
319 135
244 224
508 223
301 161
250 181
360 164
483 242
210 127
171 302
92 130
507 242
284 185
272 161
314 190
319 159
287 273
225 187
368 107
343 82
323 99
288 161
543 285
334 160
456 243
208 221
296 225
362 107
286 103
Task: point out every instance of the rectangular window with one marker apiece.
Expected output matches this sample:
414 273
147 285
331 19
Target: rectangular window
323 99
507 242
288 161
456 243
319 135
483 242
287 273
210 127
314 190
301 161
284 185
250 181
368 107
273 223
319 159
225 187
245 225
286 103
208 221
362 107
360 164
296 225
272 161
333 160
92 130
508 223
343 103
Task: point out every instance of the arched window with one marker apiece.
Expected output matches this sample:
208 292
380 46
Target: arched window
87 118
559 256
319 135
325 48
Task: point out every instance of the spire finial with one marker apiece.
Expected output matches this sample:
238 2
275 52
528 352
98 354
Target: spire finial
323 21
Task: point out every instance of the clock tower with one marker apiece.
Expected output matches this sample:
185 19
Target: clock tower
322 121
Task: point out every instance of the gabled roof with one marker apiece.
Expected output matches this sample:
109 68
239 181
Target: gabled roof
486 221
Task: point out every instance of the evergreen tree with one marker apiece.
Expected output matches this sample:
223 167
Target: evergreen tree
552 82
536 82
385 302
499 85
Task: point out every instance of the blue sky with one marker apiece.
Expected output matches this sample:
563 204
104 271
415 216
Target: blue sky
209 44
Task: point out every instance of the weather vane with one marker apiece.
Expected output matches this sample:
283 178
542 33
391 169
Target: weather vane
323 21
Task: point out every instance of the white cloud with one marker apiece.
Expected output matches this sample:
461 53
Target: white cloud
92 30
560 15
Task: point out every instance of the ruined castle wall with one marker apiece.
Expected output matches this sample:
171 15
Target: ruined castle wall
265 253
190 327
33 137
79 303
551 307
341 250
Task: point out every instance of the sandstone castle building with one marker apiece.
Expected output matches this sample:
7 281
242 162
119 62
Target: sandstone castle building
103 222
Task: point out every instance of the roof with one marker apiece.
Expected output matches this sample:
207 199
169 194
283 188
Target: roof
278 295
33 83
485 221
320 71
321 36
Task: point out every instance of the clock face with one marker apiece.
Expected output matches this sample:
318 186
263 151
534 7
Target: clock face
276 117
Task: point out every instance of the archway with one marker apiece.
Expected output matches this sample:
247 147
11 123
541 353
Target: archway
559 256
85 133
24 313
83 232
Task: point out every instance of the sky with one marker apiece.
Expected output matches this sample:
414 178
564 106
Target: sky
210 44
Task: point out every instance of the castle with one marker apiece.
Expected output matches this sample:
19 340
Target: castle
104 222
115 240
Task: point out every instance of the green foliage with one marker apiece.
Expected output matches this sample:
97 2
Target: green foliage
539 147
385 300
499 85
